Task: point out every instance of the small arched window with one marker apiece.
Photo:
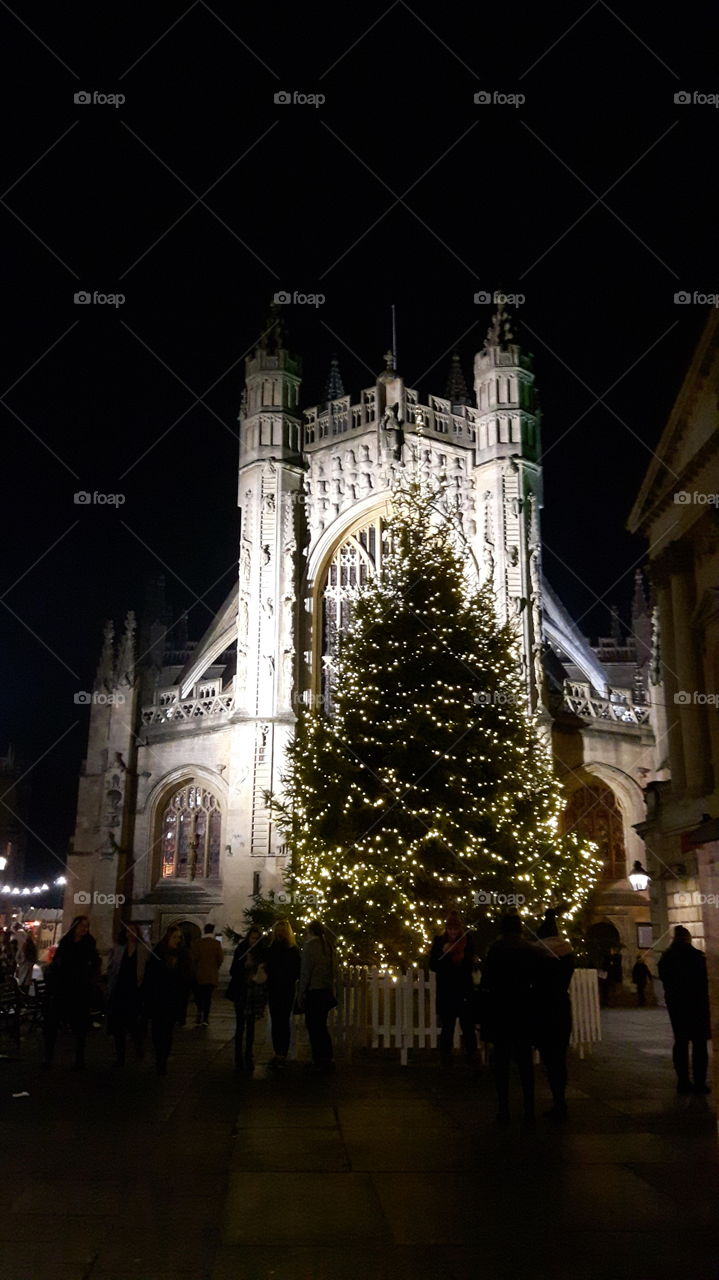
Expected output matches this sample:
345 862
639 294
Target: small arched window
191 828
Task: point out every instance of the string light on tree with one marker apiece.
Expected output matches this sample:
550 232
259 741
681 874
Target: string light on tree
428 785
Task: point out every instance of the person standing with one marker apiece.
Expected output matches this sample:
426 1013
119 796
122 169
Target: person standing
125 976
207 959
166 984
509 978
71 988
452 959
283 969
316 993
25 958
248 992
553 1009
641 975
683 972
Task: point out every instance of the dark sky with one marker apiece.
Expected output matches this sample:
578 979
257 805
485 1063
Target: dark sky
595 198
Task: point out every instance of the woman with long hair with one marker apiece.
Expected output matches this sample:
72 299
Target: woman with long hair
316 994
248 992
166 985
71 988
283 969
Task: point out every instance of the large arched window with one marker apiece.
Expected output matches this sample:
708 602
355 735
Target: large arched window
191 829
593 812
353 564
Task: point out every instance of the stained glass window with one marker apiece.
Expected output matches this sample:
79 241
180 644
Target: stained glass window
191 835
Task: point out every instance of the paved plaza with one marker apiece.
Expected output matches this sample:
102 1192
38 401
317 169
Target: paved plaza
376 1173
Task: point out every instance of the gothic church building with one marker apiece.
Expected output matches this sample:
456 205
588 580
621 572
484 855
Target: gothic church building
171 809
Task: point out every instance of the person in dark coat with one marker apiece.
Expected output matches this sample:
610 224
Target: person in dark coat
683 971
509 978
452 959
125 976
641 975
166 986
316 992
71 992
282 963
553 1008
248 992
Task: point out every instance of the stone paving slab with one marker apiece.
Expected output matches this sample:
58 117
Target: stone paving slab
375 1172
306 1208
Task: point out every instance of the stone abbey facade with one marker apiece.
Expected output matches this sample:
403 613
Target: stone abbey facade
190 737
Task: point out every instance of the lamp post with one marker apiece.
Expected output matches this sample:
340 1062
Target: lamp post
639 877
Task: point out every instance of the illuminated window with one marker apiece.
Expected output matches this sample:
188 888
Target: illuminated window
191 833
353 564
594 814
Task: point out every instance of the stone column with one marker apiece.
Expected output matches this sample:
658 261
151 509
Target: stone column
688 671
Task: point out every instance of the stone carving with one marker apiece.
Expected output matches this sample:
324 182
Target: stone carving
266 554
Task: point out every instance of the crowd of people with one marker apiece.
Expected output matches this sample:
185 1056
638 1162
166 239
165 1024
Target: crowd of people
149 989
516 997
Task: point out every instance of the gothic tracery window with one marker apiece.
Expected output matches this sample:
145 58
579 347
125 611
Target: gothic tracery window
353 564
191 828
593 812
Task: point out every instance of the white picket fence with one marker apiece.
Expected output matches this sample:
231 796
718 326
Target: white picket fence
397 1010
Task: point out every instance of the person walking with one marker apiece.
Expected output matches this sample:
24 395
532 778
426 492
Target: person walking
452 959
283 970
71 989
316 993
207 959
125 977
509 978
683 972
25 958
248 992
553 1009
166 984
641 976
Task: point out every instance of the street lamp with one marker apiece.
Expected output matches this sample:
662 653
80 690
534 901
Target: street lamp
639 878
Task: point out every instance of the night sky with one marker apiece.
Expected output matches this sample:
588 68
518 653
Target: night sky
200 196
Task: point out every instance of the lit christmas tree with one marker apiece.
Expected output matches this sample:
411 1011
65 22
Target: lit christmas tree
427 785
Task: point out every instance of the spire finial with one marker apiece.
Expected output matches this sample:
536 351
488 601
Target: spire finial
106 665
334 387
456 386
499 332
273 335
